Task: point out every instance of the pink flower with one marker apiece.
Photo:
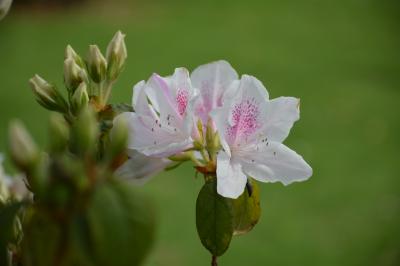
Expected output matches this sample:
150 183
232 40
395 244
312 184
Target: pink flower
251 128
162 122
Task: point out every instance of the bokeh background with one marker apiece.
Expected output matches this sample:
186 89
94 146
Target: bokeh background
340 57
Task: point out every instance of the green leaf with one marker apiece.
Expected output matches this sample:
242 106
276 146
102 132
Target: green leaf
119 221
214 219
43 242
246 209
8 214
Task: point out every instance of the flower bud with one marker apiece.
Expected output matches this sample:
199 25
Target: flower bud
70 53
47 95
97 64
23 149
4 184
119 136
59 133
80 98
73 74
84 133
116 56
4 7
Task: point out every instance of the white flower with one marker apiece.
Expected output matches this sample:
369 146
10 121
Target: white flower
11 187
211 80
251 129
162 123
139 168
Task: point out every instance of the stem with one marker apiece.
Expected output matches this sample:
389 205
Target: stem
214 261
107 92
194 159
205 155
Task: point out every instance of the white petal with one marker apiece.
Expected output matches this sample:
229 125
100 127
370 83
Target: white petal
140 101
247 103
150 139
161 96
211 80
281 113
274 162
231 181
251 87
140 168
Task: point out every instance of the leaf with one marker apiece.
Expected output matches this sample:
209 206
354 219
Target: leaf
8 214
213 219
42 240
246 209
119 221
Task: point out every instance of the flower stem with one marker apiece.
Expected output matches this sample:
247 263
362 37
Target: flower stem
214 261
205 155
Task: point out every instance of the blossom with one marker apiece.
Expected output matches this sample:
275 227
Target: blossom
251 129
211 80
162 122
11 187
139 167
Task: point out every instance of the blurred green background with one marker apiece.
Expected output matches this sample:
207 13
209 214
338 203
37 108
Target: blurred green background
340 57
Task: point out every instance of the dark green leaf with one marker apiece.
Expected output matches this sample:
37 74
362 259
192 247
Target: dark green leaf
8 214
43 243
122 222
246 209
213 219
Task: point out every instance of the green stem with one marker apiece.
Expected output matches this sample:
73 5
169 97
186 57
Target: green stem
205 155
195 160
106 92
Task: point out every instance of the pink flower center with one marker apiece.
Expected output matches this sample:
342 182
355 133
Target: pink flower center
182 100
245 119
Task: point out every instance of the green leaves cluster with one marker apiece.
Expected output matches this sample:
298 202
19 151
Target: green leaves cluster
218 219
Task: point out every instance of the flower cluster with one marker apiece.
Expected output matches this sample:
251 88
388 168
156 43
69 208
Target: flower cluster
225 124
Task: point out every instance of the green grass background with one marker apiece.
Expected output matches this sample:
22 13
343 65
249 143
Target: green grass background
340 57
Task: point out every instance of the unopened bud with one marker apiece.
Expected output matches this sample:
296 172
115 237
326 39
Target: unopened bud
97 64
22 148
59 133
73 74
85 133
80 98
47 95
70 53
4 7
119 135
116 56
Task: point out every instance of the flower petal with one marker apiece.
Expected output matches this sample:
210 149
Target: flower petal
148 138
140 101
246 101
211 80
272 162
281 114
231 181
141 168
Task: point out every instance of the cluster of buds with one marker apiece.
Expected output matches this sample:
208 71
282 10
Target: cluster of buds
87 81
73 179
71 184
